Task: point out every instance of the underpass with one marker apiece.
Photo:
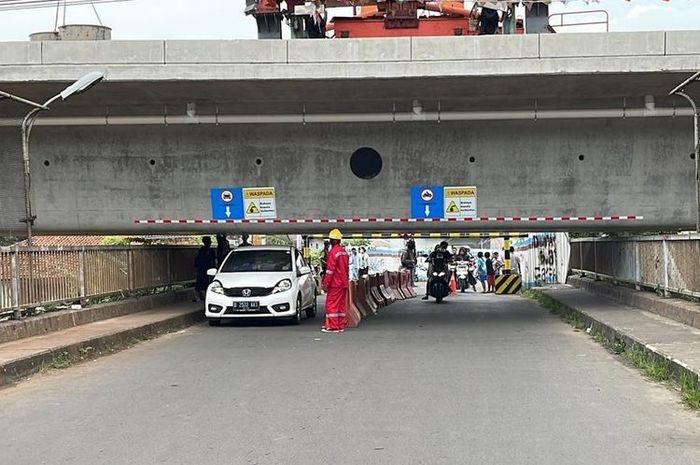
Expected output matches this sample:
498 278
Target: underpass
487 379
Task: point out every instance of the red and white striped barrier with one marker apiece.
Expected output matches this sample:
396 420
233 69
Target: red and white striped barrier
482 219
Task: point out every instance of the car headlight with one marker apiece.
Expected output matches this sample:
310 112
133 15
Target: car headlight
284 285
442 273
216 288
435 273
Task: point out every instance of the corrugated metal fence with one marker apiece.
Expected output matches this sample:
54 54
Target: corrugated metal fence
32 276
670 263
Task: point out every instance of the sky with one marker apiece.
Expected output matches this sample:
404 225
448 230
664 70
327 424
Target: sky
224 19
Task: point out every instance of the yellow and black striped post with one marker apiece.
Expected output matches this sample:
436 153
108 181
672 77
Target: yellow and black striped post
506 253
508 284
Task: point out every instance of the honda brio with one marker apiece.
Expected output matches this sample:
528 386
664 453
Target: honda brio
261 282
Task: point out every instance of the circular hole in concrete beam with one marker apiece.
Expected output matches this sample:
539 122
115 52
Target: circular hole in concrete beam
366 163
258 161
581 157
472 159
151 162
47 163
692 155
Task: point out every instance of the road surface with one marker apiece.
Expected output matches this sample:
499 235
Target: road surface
476 380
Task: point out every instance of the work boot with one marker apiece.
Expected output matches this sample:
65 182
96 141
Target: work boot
425 297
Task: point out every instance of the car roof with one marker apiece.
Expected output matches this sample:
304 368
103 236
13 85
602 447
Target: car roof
263 247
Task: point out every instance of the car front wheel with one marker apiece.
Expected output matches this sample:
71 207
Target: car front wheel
311 311
296 319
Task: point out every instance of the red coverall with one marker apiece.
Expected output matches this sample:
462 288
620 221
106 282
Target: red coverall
335 283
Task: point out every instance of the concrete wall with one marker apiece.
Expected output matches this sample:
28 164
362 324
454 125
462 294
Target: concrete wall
389 57
100 178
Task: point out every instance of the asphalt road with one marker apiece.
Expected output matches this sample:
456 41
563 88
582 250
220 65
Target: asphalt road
477 380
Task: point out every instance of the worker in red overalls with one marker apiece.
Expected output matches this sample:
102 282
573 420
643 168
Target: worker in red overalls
335 283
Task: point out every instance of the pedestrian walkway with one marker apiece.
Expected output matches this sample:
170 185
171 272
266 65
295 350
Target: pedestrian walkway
26 356
678 343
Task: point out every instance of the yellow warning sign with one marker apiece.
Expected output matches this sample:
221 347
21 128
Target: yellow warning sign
259 193
260 203
460 192
252 209
460 202
452 208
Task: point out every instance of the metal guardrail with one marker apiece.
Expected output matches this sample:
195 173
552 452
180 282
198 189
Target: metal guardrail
668 263
34 276
566 15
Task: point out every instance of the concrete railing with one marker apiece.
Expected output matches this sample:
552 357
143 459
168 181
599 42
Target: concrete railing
402 49
33 276
668 264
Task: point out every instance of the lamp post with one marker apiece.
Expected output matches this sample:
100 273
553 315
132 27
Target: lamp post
680 90
79 86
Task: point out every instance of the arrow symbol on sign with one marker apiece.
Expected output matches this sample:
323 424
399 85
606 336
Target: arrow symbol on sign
427 210
228 212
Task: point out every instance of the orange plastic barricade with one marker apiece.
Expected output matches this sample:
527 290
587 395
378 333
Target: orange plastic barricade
402 285
374 291
409 286
352 313
367 296
394 277
394 285
383 289
359 298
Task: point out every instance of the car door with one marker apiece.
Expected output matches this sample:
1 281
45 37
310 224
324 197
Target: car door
303 279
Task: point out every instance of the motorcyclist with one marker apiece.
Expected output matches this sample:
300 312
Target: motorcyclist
440 257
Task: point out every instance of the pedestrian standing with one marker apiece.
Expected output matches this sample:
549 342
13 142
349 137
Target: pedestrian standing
363 263
481 269
490 273
222 249
514 262
335 283
205 259
497 264
354 264
409 259
324 256
244 240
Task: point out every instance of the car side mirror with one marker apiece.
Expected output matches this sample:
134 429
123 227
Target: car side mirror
304 270
211 272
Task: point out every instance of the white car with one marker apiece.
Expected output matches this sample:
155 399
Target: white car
261 282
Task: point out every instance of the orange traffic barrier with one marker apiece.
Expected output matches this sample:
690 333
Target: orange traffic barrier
360 299
388 296
367 296
395 282
407 286
374 292
352 314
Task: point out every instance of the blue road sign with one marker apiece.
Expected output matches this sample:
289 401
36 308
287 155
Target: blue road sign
426 201
227 203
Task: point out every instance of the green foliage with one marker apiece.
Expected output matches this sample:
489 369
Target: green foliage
116 241
359 242
279 240
654 368
8 240
315 258
690 391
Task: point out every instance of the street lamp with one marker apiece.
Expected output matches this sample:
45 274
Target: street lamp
680 90
79 86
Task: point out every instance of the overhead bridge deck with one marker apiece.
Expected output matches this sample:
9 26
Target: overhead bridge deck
557 132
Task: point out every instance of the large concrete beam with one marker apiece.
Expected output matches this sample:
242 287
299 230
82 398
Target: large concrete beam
354 58
100 179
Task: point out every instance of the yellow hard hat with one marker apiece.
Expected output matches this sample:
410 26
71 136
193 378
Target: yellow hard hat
335 234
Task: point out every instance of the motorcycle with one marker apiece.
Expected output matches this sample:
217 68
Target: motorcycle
462 271
439 286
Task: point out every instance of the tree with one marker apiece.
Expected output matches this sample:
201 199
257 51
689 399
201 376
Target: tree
359 242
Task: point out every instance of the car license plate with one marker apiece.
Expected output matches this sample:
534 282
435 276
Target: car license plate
245 306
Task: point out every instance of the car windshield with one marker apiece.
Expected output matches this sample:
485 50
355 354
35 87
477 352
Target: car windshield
250 261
